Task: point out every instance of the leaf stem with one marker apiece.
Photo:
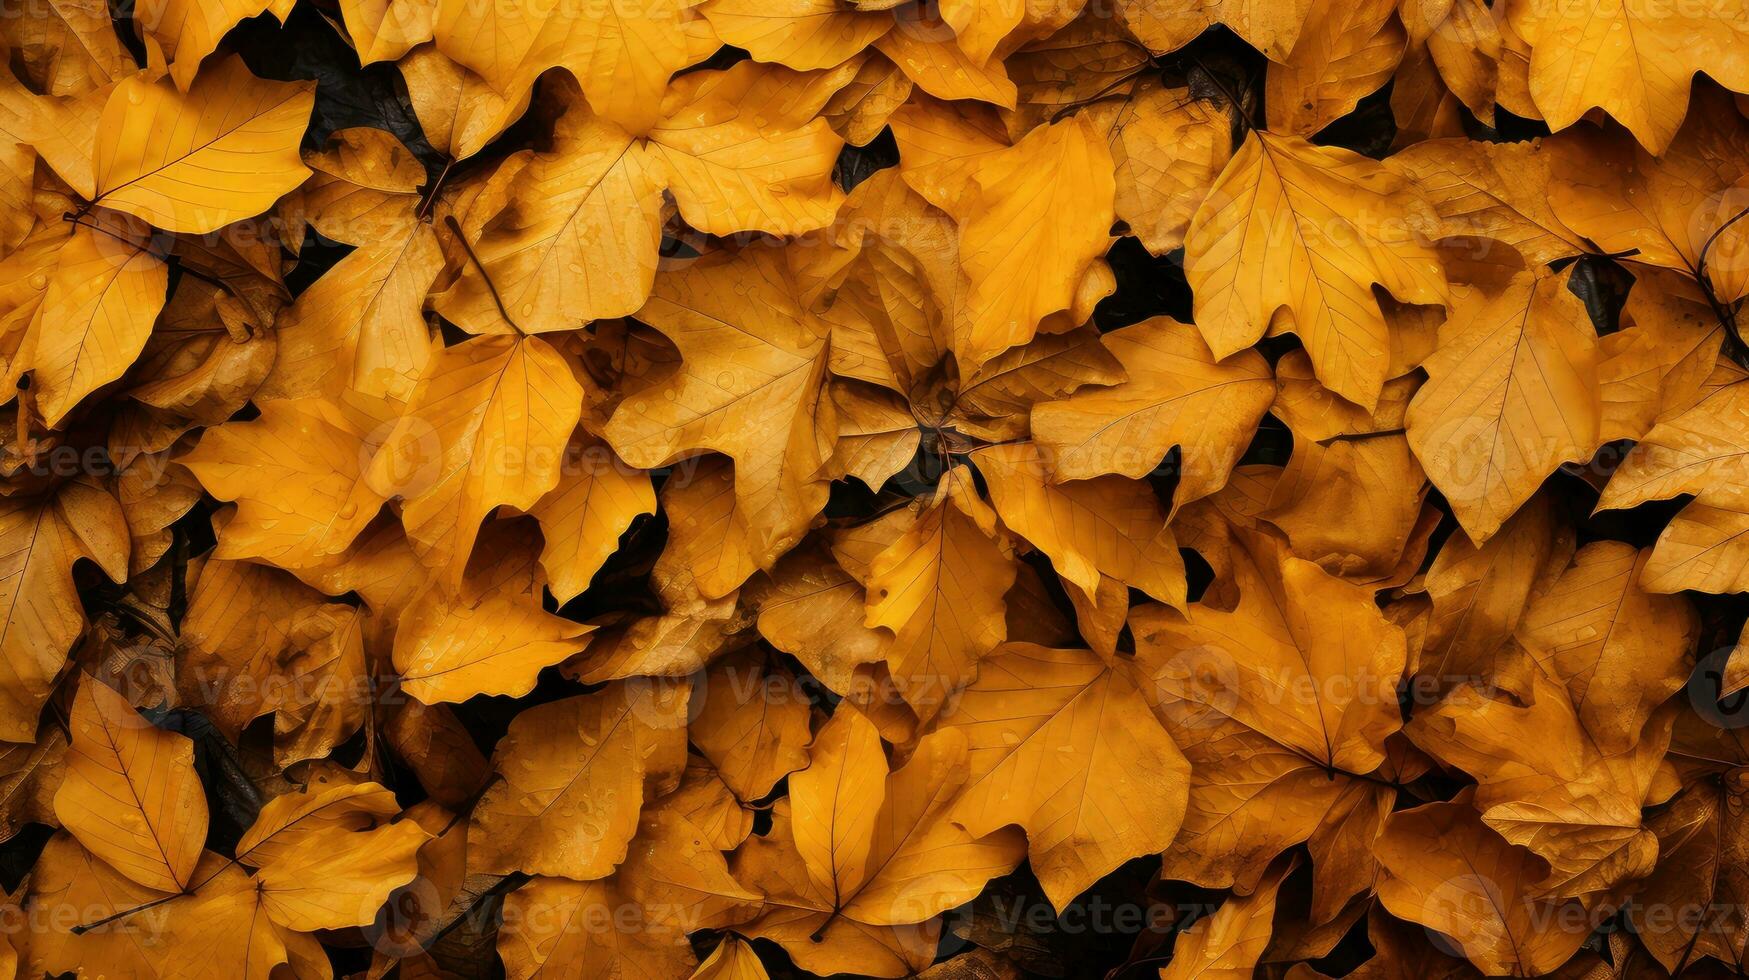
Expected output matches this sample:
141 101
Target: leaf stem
168 258
1361 436
455 228
468 805
1233 99
1107 92
1726 314
83 928
424 211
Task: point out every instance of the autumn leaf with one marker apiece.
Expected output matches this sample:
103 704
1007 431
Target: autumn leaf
1574 801
733 959
1229 942
43 539
1699 844
70 876
938 589
759 406
1310 224
1345 458
1703 548
1512 392
1342 54
329 859
813 609
1450 873
742 153
1676 209
1167 146
478 404
802 34
1293 618
670 870
103 295
1576 622
1284 746
459 111
1063 169
1496 192
188 32
754 725
593 202
868 854
154 824
586 759
1052 732
194 161
492 637
366 313
1167 25
313 444
1479 594
384 30
1177 395
1107 527
1639 60
68 48
598 498
623 58
967 490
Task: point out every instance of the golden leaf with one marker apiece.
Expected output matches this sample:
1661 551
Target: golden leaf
622 54
457 109
1104 527
1512 393
939 588
578 239
487 426
329 859
1496 192
1632 59
384 30
189 30
1617 673
197 160
742 155
40 540
801 34
1023 265
1177 395
733 959
1342 54
752 475
865 858
597 498
68 47
94 317
1447 871
753 725
1675 208
491 637
574 775
1549 783
1063 744
1292 239
131 795
1168 148
298 475
1167 25
749 386
1227 944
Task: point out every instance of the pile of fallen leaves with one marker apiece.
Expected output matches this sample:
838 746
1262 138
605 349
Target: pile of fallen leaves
660 488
